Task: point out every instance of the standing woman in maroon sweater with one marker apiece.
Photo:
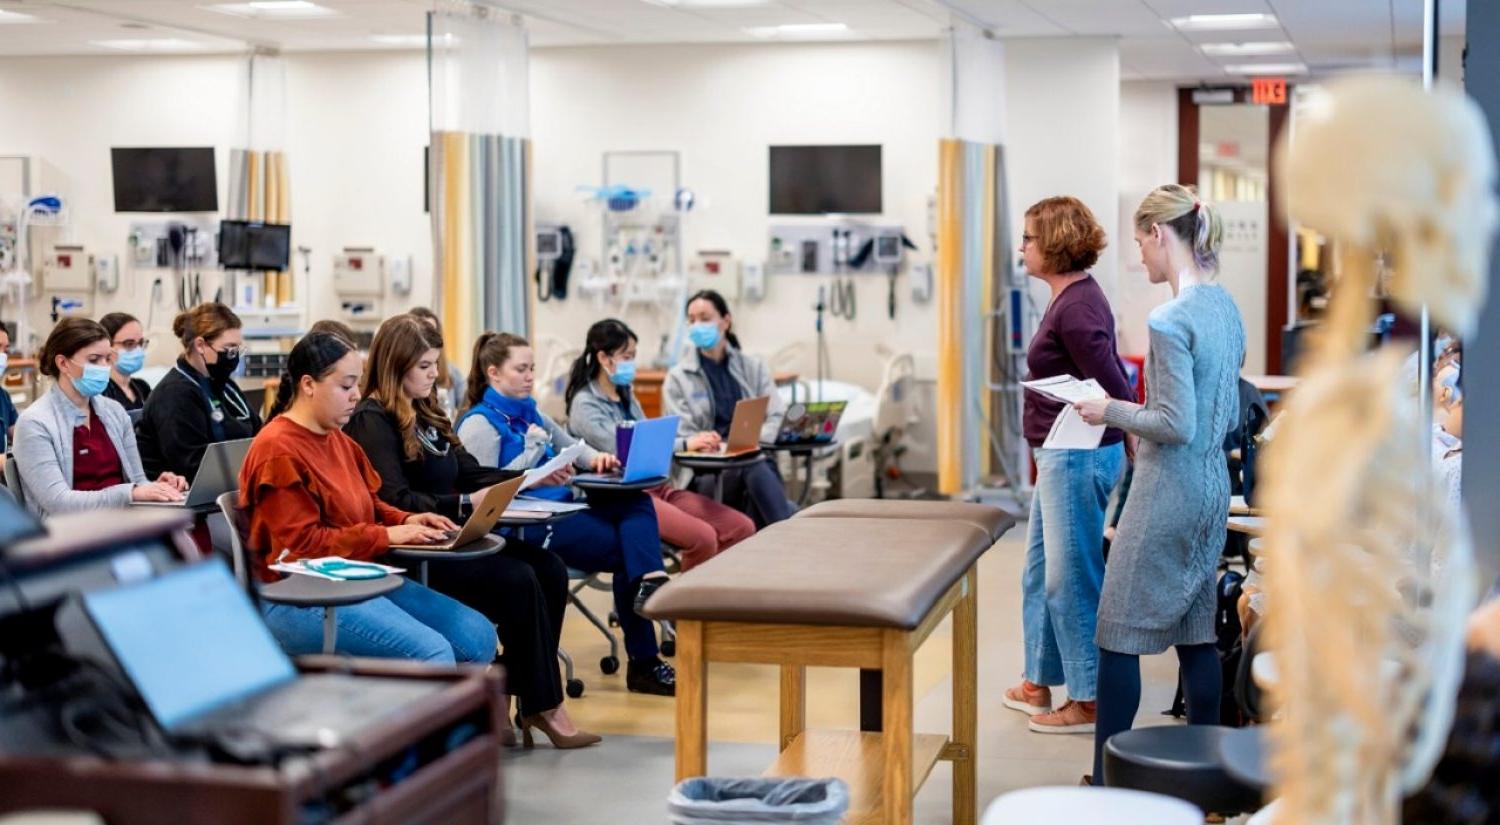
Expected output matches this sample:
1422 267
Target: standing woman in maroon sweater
1065 533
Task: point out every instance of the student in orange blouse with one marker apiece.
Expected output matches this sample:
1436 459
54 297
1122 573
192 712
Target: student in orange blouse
311 492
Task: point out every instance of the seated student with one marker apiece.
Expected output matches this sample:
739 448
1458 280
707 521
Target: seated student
311 493
8 412
705 386
128 338
197 403
503 428
450 377
74 449
599 401
424 469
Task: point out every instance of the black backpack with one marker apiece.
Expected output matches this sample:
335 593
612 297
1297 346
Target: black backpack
1228 640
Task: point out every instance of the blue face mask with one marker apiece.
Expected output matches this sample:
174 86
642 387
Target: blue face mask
4 360
704 334
130 361
93 381
624 374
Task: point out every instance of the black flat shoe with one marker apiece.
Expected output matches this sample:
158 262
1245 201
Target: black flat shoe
651 676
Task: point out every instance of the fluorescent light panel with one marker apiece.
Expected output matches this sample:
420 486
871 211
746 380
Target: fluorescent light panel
274 8
400 39
1267 68
708 4
1225 22
798 30
150 44
17 17
1246 49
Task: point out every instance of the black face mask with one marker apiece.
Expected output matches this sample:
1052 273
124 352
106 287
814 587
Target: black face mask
223 369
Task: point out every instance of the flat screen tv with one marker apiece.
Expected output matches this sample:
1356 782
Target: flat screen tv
819 180
254 245
165 179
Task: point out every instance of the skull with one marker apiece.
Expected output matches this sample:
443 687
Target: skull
1380 162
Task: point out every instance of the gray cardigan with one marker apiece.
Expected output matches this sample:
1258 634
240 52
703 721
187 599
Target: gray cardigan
687 393
594 418
1159 583
44 454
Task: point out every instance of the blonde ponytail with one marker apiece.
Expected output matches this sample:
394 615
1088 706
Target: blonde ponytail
1197 223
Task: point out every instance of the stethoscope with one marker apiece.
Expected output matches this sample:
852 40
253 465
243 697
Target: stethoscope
237 403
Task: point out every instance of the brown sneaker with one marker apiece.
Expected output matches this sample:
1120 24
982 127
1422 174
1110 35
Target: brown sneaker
1072 717
1029 699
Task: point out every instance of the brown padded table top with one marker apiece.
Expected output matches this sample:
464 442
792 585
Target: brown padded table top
992 520
828 571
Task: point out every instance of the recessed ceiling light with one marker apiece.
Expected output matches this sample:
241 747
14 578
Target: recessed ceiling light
150 44
17 17
274 8
1225 22
798 30
1246 49
1267 68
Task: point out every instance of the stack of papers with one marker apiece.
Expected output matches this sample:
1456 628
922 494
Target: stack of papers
540 508
1069 431
300 568
563 459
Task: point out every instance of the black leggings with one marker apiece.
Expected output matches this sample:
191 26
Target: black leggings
1120 693
523 589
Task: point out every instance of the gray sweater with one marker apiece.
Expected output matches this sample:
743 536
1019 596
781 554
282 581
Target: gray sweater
44 454
1159 583
482 442
687 393
594 418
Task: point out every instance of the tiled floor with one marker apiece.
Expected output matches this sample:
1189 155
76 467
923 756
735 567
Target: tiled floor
626 779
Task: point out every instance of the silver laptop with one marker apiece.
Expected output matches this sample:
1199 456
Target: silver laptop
218 474
486 514
208 669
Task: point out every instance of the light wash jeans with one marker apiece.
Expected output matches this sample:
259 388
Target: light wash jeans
410 622
1065 566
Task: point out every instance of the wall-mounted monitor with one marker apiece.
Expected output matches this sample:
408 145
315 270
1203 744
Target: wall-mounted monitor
165 179
821 180
256 246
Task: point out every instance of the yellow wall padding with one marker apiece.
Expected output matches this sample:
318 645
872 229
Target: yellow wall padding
950 322
457 288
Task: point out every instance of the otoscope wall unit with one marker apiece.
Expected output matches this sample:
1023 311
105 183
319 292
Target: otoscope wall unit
834 248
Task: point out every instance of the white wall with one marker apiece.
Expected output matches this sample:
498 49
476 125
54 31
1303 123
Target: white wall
1062 130
721 106
1148 159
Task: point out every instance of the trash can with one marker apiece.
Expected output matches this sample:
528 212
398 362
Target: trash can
716 800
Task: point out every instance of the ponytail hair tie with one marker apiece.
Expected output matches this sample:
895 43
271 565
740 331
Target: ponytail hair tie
1197 205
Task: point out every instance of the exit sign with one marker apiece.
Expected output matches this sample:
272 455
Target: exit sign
1268 91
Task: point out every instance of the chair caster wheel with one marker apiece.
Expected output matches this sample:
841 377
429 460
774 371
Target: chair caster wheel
614 619
575 688
609 664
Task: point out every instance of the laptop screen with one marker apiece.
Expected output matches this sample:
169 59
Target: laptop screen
189 640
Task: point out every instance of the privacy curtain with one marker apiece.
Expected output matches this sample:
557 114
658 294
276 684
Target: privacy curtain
480 162
259 182
971 251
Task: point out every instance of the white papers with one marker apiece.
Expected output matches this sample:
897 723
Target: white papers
559 461
300 567
543 506
1069 430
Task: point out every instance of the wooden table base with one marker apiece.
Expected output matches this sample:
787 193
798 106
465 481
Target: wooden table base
884 769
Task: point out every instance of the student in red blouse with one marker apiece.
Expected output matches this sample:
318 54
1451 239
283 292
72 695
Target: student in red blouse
311 492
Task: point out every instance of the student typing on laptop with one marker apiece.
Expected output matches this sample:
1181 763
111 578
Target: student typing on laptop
311 492
75 449
703 389
424 469
599 401
503 428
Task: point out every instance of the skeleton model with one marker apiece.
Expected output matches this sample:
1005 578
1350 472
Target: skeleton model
1370 573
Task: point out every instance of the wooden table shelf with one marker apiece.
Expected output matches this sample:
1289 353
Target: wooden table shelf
858 759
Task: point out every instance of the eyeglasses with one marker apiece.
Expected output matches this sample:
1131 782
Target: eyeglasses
132 343
229 352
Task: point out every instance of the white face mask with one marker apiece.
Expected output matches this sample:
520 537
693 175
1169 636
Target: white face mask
4 361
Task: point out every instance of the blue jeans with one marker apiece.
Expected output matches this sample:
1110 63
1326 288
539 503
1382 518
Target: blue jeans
410 622
616 535
1065 566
